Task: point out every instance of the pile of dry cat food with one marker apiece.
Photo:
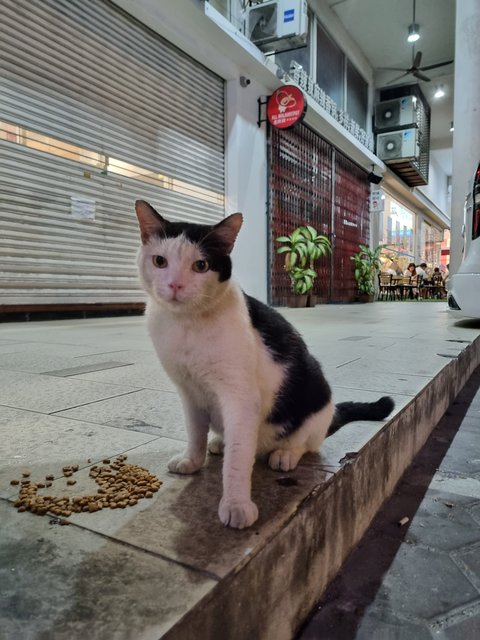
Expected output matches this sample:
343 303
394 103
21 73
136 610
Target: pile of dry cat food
120 485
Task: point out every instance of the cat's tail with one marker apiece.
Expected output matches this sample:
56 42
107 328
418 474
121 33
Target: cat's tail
349 411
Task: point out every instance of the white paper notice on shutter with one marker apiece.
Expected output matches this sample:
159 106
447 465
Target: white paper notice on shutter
83 208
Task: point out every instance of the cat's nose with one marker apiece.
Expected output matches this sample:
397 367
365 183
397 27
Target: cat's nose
175 286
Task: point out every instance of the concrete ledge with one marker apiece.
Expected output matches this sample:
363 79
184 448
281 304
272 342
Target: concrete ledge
275 590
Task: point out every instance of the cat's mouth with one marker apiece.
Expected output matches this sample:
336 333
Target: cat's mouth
175 300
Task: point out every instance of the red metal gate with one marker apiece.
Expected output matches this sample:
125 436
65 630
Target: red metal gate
312 183
351 225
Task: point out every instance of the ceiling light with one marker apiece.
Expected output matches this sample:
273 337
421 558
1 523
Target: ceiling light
439 91
413 32
451 126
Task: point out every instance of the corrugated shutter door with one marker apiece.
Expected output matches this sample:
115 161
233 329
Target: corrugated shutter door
95 105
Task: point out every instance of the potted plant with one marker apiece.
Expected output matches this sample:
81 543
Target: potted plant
302 248
367 266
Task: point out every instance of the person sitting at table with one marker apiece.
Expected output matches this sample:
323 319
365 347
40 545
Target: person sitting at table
392 269
396 268
437 282
421 270
411 271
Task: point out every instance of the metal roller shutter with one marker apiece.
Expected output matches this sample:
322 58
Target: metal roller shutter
94 105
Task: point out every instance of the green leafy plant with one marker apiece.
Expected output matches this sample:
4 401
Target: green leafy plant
302 248
367 265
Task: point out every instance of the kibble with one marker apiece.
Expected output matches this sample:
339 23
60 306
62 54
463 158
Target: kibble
120 485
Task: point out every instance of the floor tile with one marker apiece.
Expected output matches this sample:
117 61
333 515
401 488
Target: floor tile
65 582
48 394
157 412
44 444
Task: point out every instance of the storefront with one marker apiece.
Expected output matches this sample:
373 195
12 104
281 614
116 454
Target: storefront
96 110
311 182
409 236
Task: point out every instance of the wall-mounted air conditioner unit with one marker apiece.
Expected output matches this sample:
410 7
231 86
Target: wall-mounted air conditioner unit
398 145
392 114
277 24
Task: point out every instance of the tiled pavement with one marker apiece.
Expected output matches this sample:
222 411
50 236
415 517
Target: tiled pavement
81 390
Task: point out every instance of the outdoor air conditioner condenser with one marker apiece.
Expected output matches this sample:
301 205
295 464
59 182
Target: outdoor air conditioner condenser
393 114
277 24
398 145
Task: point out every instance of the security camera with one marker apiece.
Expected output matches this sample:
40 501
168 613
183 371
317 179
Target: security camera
374 178
244 81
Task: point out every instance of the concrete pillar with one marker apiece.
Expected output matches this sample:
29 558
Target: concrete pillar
466 116
246 184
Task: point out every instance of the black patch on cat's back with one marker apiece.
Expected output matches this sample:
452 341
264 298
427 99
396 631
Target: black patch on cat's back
211 246
304 390
277 333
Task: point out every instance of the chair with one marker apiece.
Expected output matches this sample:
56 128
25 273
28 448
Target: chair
386 288
405 287
418 286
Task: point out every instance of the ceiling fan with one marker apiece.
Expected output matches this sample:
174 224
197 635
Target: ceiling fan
416 69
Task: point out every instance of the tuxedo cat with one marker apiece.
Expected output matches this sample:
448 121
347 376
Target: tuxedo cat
240 368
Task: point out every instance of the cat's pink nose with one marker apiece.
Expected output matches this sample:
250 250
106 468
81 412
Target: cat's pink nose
175 286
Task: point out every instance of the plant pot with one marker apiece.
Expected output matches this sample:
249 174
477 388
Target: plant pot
297 301
312 300
366 297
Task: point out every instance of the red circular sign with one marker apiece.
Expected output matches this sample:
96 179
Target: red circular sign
286 106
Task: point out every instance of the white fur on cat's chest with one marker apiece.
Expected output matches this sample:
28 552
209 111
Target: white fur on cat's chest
222 355
195 352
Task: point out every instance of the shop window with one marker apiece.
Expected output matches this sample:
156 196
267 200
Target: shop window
357 95
330 66
398 234
431 245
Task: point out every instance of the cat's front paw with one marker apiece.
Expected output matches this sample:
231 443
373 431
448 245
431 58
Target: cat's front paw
183 464
238 514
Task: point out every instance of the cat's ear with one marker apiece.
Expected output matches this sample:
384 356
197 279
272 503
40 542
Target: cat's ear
227 230
150 221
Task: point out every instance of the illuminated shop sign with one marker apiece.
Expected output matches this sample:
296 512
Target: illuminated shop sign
286 106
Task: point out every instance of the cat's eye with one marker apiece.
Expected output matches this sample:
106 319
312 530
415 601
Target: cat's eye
160 262
200 266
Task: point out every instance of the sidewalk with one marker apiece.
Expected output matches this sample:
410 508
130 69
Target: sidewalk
85 390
